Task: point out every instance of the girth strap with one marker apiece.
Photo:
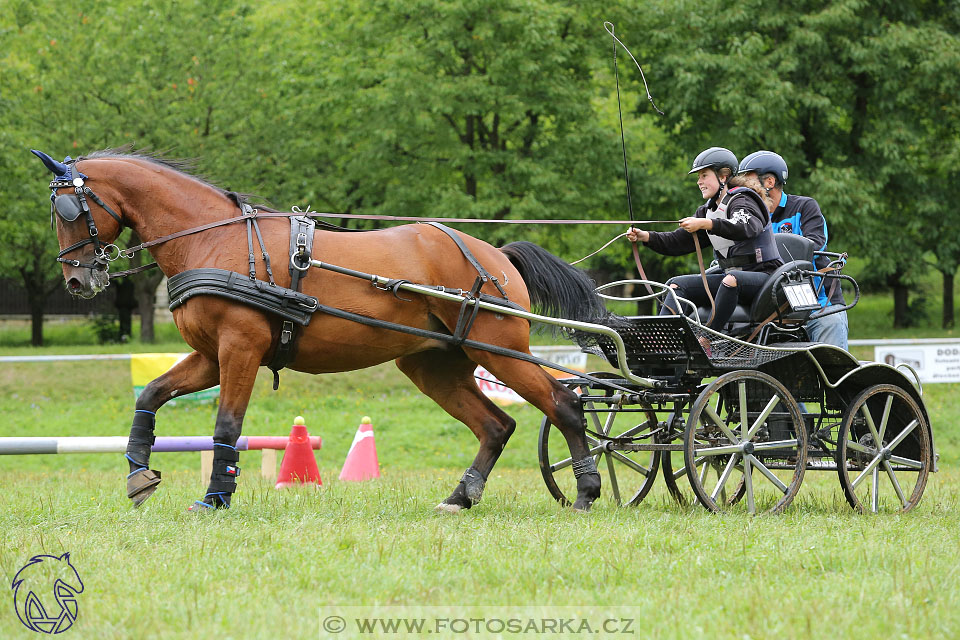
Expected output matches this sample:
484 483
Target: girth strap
301 252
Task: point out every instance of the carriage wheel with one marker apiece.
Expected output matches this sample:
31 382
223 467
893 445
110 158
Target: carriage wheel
891 476
626 476
746 429
678 483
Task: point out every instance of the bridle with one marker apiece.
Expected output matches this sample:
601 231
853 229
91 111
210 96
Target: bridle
70 206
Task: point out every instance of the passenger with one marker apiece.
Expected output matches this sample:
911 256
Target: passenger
736 222
800 215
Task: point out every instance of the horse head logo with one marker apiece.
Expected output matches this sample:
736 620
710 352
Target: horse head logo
33 585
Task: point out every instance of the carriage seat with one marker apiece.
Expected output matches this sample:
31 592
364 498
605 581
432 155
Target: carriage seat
796 253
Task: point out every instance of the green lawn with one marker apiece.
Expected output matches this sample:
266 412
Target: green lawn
280 561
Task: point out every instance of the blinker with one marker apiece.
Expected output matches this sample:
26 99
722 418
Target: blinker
68 207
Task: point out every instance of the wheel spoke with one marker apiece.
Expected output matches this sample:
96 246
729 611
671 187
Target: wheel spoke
870 425
742 393
776 444
632 430
906 462
903 434
856 446
613 479
719 451
717 420
731 464
762 418
608 423
870 467
748 481
895 482
875 489
769 474
636 466
885 418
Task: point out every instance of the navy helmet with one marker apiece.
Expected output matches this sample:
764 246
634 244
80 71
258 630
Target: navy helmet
715 158
764 162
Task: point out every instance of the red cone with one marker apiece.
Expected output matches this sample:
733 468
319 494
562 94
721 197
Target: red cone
361 463
299 464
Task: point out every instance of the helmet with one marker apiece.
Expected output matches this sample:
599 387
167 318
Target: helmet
715 158
764 162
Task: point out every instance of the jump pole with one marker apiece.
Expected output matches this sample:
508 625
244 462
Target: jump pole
267 445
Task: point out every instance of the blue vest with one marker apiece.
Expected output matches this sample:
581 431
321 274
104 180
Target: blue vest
792 225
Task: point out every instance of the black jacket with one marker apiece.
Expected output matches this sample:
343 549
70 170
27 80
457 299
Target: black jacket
744 224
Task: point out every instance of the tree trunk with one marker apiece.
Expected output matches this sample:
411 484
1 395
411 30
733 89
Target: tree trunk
948 319
146 288
125 303
38 289
900 299
36 323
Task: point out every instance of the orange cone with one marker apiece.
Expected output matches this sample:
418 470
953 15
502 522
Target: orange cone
299 465
361 463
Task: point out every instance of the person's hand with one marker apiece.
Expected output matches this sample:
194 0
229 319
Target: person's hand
692 225
637 235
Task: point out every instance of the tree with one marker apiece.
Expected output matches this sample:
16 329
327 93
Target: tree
850 92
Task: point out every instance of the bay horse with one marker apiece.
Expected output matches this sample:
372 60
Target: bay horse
158 197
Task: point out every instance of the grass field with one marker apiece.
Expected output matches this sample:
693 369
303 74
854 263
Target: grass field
279 563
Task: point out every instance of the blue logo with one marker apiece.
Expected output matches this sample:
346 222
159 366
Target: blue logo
45 594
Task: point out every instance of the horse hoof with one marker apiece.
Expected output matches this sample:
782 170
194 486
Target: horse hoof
141 485
582 507
448 508
201 508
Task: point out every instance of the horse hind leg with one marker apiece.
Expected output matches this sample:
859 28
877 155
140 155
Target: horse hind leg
193 373
447 378
562 408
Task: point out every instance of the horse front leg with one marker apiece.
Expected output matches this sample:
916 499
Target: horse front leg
193 373
238 373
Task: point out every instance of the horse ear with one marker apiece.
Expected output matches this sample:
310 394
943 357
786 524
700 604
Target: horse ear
58 168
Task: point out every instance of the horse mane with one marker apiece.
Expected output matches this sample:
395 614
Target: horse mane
185 166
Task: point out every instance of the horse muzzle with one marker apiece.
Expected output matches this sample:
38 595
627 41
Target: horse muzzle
87 285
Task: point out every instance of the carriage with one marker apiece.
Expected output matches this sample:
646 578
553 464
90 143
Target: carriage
745 419
751 409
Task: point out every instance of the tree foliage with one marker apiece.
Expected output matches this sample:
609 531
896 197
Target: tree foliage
500 109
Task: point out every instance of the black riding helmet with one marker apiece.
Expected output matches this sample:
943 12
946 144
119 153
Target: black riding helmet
764 162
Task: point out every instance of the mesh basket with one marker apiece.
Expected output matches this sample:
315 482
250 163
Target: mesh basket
655 341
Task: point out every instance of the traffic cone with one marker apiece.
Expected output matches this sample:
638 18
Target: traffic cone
299 465
361 462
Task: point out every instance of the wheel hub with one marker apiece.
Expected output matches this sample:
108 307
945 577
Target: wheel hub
748 447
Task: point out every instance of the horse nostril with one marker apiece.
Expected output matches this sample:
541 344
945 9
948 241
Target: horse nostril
74 285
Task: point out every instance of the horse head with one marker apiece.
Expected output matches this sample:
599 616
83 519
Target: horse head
86 227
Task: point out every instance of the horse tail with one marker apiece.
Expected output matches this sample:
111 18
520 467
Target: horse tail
556 289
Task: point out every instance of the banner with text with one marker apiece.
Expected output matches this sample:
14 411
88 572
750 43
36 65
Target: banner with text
933 362
570 357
